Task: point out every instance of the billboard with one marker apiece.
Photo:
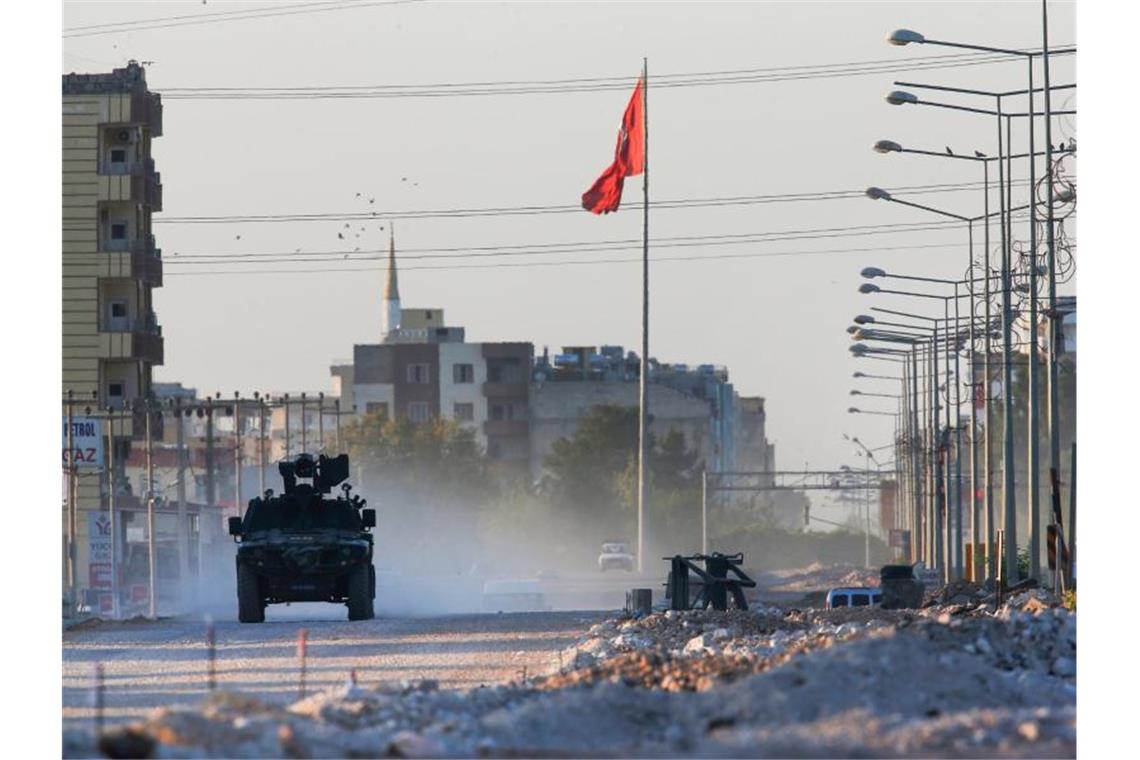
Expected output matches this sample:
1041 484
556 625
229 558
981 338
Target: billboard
87 440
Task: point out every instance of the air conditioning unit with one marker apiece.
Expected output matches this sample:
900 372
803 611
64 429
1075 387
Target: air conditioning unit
124 136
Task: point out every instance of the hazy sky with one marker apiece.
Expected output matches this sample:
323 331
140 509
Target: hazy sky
776 322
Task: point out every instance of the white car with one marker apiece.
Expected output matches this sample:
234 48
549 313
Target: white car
615 554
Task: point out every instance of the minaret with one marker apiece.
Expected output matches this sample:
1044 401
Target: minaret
391 314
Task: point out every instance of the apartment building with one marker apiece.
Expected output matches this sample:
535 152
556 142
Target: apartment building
111 264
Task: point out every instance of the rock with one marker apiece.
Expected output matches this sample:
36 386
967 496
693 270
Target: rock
1065 667
1029 730
411 744
700 644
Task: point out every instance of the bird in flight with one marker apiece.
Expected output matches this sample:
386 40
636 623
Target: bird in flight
237 237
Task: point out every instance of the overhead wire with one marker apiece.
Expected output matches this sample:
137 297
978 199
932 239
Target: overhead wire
560 208
167 22
597 84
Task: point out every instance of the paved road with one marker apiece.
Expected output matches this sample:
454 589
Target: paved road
162 663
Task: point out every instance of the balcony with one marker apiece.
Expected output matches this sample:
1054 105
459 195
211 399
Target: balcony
137 183
505 390
139 339
132 259
506 428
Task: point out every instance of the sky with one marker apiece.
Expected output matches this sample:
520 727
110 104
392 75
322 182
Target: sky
775 320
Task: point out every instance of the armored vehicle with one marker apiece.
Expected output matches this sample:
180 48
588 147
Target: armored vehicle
301 546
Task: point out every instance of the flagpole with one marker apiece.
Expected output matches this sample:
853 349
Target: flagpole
643 430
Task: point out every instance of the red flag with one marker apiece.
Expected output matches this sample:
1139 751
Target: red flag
604 195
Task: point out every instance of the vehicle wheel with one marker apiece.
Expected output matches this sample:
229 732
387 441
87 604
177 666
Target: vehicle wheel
359 594
251 608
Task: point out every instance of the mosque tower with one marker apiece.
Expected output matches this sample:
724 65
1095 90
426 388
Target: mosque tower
391 313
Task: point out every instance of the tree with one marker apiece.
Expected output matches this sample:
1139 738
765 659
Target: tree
583 470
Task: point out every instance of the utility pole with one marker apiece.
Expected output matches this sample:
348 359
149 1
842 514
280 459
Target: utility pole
111 512
151 553
321 421
336 408
237 454
183 537
704 512
285 400
304 424
69 463
260 442
211 492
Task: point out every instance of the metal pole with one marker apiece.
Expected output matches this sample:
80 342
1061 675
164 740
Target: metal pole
183 539
974 521
866 508
1051 378
111 512
211 491
285 400
69 463
151 554
958 516
1009 502
939 483
260 444
321 421
643 425
304 424
988 405
336 410
237 454
950 488
1072 516
704 512
915 455
1034 521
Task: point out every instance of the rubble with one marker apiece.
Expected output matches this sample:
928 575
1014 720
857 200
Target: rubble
957 677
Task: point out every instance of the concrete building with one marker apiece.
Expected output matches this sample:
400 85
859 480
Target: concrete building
423 369
111 264
726 430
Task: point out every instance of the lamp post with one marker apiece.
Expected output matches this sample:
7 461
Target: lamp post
954 547
905 37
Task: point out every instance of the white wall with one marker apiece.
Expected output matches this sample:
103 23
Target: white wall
451 392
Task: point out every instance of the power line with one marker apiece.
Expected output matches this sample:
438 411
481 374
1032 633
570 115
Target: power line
560 208
598 84
223 16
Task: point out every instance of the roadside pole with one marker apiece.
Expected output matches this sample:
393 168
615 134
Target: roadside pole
704 512
321 421
69 462
111 512
336 408
237 454
304 425
152 611
183 538
285 400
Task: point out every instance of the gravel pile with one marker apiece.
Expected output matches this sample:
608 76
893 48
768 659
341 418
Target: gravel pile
958 679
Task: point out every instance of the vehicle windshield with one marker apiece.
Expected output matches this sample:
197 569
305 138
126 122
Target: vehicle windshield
292 516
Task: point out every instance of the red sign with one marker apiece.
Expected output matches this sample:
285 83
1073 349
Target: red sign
99 575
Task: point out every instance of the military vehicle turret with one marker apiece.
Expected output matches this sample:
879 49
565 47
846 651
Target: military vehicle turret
301 546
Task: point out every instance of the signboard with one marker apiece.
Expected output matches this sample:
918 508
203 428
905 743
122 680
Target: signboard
99 561
99 537
87 440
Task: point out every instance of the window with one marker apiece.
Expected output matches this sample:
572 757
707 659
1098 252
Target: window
500 411
860 600
464 412
115 390
839 600
506 371
119 231
463 373
119 156
418 411
377 407
419 373
118 309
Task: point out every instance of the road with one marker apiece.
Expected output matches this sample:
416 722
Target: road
151 664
